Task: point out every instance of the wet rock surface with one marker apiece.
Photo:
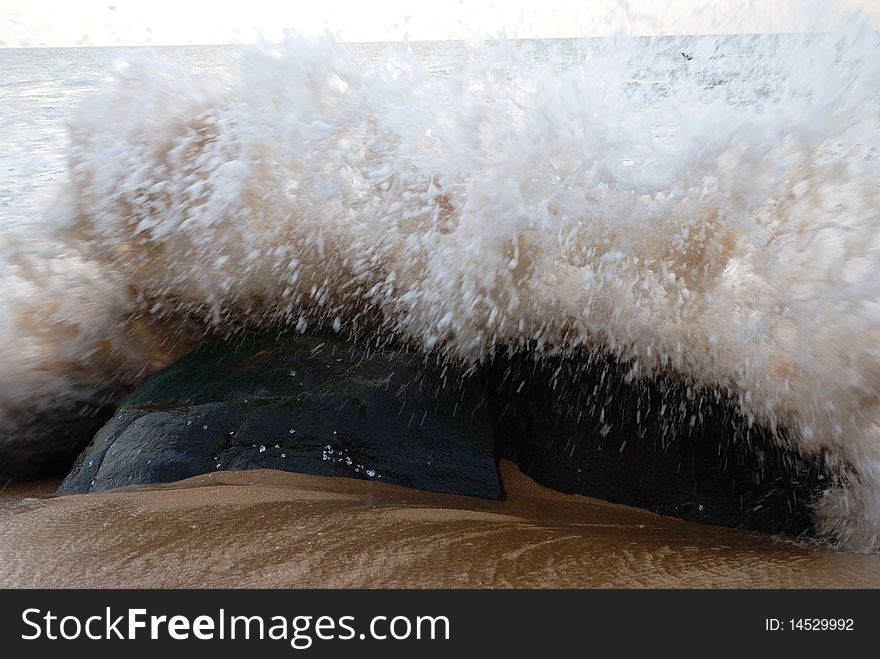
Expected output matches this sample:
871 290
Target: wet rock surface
321 405
579 426
309 404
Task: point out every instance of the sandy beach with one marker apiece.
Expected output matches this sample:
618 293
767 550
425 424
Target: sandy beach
274 529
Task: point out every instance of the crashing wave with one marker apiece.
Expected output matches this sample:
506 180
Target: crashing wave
726 233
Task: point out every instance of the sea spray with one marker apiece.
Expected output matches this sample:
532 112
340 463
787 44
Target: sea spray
715 218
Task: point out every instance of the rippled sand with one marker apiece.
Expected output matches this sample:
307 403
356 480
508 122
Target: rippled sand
274 529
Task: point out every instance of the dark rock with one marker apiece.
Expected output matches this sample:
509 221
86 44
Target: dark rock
579 426
316 405
38 443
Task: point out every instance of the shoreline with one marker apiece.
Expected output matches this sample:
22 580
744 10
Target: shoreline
285 530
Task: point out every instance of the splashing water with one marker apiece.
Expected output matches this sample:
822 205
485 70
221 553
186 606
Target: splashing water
718 218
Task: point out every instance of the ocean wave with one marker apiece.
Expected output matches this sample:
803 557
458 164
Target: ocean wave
724 232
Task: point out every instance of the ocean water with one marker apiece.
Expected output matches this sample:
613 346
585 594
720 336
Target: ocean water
703 205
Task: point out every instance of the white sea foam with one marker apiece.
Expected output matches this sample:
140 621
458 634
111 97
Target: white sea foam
726 232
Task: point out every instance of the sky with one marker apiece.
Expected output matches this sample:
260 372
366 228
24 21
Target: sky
25 23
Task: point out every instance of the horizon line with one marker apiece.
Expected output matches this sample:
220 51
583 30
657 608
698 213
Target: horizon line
413 41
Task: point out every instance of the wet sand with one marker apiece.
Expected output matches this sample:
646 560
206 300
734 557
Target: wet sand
275 529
